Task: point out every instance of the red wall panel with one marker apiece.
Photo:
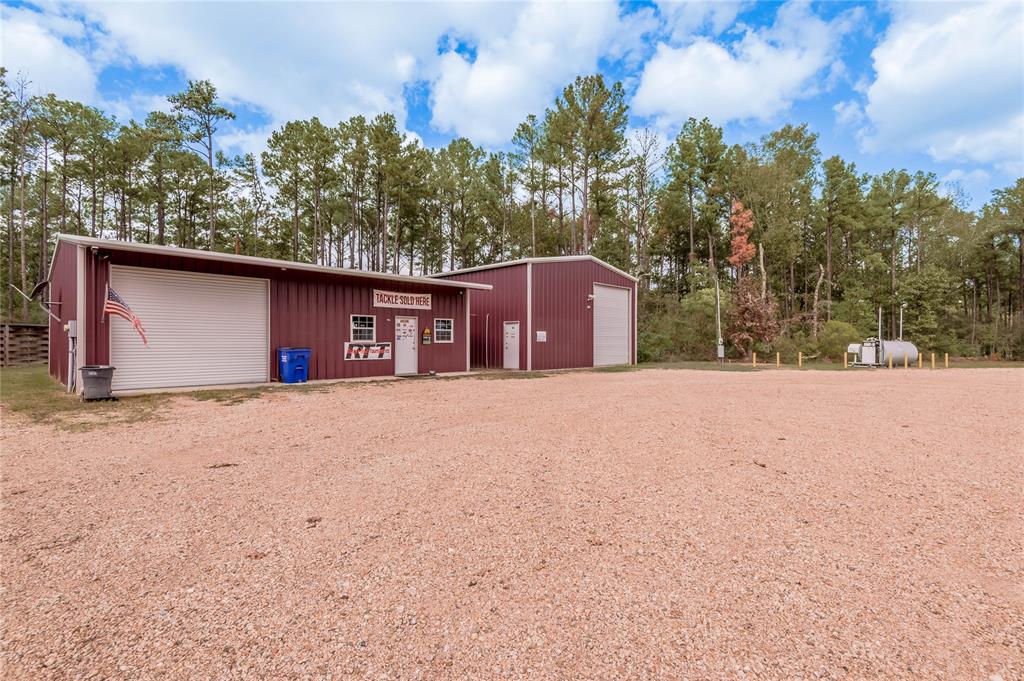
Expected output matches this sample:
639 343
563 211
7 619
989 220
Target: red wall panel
491 309
64 292
562 308
310 310
307 309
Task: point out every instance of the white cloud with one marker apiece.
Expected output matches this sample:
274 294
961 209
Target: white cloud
518 71
973 176
848 113
755 78
684 18
963 186
351 58
246 141
335 60
950 82
33 44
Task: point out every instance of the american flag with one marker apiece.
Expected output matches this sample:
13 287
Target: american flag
116 305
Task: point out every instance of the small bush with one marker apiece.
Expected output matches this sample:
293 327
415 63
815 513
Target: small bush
674 328
834 338
788 348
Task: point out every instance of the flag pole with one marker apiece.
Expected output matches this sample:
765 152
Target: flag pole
106 297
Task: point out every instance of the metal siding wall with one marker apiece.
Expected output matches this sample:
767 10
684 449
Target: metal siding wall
506 302
64 290
306 310
97 347
310 310
561 308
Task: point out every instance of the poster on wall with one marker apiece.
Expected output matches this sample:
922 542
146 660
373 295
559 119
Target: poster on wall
411 301
367 351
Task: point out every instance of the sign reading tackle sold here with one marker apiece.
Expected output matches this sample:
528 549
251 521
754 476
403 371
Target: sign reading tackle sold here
415 301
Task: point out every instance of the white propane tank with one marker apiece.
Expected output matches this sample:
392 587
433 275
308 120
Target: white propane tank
897 350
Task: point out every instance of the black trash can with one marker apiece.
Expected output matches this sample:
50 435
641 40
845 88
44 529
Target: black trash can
96 381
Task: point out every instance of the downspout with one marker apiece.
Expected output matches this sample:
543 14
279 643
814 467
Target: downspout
881 342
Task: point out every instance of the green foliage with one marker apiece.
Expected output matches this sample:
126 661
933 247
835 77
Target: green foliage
680 329
834 337
824 244
788 346
929 318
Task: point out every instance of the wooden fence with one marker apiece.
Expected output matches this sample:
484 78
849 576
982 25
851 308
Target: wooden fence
23 343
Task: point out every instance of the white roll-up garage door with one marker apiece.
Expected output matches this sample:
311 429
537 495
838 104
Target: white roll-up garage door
203 329
611 325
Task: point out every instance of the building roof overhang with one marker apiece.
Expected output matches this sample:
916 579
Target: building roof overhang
523 261
174 251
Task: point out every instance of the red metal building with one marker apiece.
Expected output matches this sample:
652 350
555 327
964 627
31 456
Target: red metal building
551 313
218 318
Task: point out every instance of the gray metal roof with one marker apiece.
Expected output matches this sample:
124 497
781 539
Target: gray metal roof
522 261
115 245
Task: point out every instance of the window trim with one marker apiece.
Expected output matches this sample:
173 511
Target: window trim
352 328
437 338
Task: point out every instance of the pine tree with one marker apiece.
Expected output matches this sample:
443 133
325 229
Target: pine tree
201 115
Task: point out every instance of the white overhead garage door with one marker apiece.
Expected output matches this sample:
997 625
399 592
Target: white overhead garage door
203 329
611 325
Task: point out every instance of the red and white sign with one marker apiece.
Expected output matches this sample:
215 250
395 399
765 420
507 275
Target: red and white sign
412 301
367 350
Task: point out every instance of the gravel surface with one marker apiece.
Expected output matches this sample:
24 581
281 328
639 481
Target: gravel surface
648 524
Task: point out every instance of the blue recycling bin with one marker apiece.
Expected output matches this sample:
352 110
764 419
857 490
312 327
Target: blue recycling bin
293 364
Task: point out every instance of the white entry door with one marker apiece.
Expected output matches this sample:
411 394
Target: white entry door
406 331
511 345
611 325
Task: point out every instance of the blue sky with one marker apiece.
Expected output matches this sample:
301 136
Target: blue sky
924 86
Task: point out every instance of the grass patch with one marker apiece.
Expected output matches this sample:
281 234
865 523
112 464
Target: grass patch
228 396
813 365
30 391
506 375
970 363
618 369
701 366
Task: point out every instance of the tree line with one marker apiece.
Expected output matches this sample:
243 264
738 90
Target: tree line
802 250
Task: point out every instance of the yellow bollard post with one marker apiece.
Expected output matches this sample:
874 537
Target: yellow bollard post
777 363
920 360
945 359
846 357
753 360
800 360
933 360
890 361
906 361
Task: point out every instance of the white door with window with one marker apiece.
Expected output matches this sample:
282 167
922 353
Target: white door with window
511 345
611 325
202 329
406 342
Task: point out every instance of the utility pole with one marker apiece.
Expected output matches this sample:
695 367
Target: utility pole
718 322
720 350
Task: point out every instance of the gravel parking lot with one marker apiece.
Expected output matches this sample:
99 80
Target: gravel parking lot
643 524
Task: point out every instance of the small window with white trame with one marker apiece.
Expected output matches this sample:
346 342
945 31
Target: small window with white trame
364 328
444 331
